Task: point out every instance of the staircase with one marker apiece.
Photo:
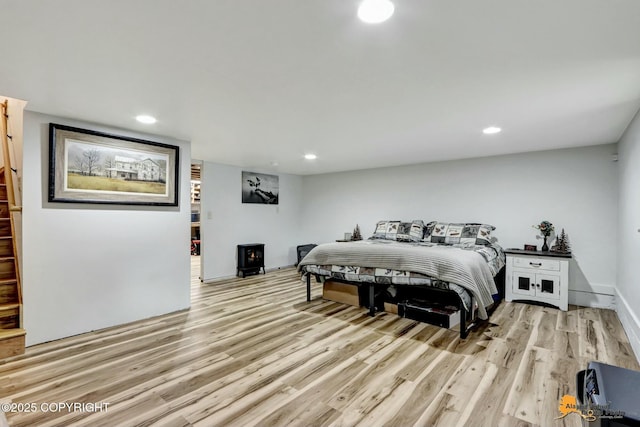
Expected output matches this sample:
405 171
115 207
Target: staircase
12 334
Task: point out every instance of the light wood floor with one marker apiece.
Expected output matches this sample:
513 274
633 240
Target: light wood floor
254 352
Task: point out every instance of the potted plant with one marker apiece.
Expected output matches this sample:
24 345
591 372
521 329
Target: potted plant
545 228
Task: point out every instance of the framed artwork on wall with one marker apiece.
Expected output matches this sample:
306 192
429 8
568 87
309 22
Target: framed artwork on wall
260 188
86 166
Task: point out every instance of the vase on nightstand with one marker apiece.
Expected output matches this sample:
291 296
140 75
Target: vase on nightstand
545 247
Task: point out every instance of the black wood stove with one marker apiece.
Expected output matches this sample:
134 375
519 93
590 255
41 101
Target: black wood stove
250 259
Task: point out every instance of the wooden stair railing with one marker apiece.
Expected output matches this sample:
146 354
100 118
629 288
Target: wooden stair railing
12 333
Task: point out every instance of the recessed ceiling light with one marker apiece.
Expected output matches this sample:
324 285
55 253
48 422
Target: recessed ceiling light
147 120
310 156
491 129
375 11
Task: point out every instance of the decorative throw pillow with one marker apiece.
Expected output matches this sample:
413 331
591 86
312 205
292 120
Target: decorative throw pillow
392 230
470 233
410 231
386 230
454 231
439 232
479 234
428 229
381 230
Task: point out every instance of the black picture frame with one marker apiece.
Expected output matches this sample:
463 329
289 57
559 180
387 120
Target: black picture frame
260 188
87 166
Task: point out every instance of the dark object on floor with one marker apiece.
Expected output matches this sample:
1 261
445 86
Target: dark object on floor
195 247
443 316
613 391
303 250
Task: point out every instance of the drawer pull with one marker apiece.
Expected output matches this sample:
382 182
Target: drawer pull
536 264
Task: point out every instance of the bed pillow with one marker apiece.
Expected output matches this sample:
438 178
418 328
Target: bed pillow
470 233
392 230
445 232
478 234
410 231
386 230
428 229
400 231
380 231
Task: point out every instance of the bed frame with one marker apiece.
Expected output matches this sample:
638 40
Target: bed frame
468 320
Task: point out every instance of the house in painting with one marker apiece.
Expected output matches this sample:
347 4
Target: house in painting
132 169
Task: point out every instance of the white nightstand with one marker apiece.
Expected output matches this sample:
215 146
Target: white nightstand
538 276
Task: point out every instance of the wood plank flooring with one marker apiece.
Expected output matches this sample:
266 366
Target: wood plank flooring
253 352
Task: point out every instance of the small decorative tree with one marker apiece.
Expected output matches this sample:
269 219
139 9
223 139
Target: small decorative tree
562 243
356 233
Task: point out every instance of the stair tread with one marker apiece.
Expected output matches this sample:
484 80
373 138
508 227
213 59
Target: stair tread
9 306
11 333
8 281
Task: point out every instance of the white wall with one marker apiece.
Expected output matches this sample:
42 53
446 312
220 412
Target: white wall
628 282
226 222
92 266
572 188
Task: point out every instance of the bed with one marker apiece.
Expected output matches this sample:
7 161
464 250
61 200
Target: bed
450 263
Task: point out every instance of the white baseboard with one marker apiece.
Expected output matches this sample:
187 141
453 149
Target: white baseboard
599 289
268 269
280 268
598 296
590 299
630 323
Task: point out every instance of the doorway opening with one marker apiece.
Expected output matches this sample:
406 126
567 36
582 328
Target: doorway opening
195 239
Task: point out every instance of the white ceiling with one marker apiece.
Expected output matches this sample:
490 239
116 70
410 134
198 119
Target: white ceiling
251 82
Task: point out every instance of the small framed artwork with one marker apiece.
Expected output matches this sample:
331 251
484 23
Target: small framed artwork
260 188
86 166
530 248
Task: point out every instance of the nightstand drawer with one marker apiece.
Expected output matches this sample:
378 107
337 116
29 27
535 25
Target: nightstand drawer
536 263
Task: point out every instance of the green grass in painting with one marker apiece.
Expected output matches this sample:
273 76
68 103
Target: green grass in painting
101 183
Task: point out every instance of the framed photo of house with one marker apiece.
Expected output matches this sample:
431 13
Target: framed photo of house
86 166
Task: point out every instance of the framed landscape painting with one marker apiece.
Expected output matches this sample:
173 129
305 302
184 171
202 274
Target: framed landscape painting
86 166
